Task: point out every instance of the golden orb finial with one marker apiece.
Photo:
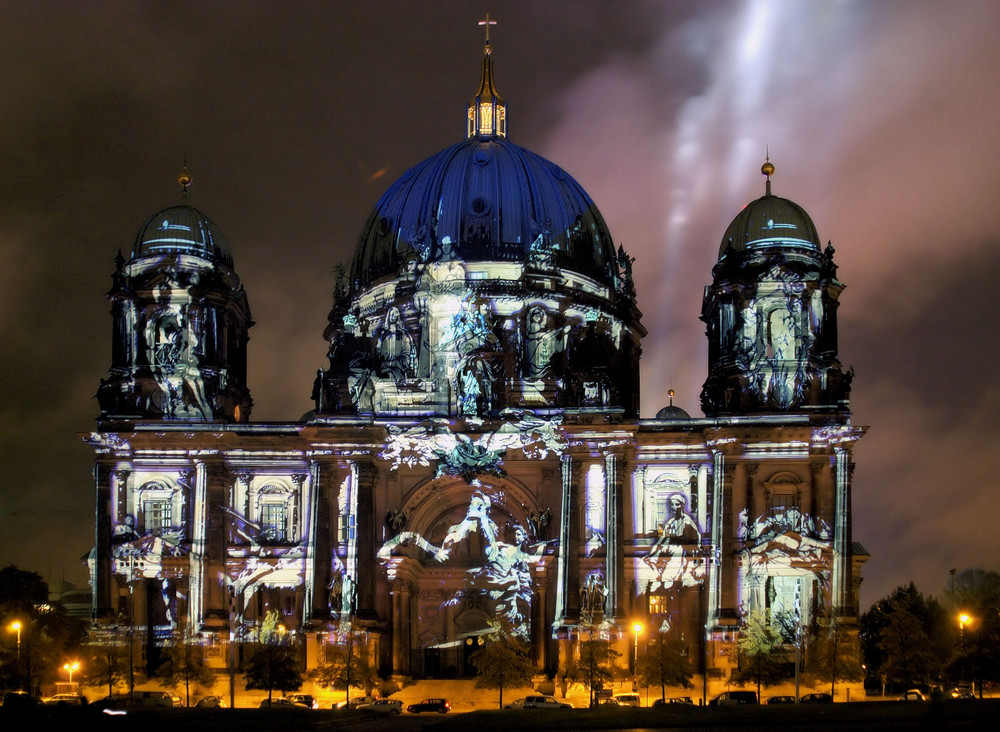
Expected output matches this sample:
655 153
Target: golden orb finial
184 179
767 169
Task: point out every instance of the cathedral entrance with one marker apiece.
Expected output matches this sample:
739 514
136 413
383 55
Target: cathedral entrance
466 568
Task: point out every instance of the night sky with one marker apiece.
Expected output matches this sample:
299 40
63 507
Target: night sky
882 119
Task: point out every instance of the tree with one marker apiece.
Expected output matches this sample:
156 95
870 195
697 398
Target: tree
48 636
185 664
834 654
887 651
108 659
503 662
595 665
906 648
665 663
762 655
347 665
976 655
273 664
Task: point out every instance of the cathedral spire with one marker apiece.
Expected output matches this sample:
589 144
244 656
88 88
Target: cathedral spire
487 111
767 169
184 179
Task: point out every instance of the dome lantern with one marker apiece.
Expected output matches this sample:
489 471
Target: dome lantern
487 115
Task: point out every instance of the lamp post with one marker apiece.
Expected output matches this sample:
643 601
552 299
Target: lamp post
71 667
636 628
16 627
963 620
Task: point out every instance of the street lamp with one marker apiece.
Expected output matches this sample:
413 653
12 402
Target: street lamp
963 620
16 627
71 667
636 628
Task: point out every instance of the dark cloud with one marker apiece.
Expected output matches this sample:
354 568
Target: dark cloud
879 117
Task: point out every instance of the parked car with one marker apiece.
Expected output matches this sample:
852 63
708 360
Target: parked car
139 698
728 698
20 700
817 698
604 701
780 700
354 702
628 700
391 707
429 705
961 693
279 704
540 701
210 702
913 695
303 700
66 700
671 700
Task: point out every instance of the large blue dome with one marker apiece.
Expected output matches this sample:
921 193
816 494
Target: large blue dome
484 199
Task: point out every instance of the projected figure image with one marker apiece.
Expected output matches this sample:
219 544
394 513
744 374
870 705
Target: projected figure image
395 347
150 557
507 568
678 538
193 398
542 343
593 594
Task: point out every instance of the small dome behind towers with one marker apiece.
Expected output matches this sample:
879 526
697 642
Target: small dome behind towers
670 411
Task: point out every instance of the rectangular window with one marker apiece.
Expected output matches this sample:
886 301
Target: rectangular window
272 519
783 501
657 604
156 516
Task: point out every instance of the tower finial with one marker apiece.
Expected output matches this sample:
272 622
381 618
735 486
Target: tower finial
184 179
487 22
487 111
768 170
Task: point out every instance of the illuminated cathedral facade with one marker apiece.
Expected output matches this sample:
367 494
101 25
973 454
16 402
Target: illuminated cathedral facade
475 461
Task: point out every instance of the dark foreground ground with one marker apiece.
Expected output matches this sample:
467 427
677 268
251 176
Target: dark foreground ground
858 717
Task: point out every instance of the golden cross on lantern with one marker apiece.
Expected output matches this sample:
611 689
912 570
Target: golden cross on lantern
487 23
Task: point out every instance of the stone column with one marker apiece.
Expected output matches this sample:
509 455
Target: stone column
100 577
305 500
728 560
841 583
215 594
714 577
196 498
365 530
401 598
614 560
568 567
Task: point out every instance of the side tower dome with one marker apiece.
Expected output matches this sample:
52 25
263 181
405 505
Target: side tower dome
485 278
771 315
179 346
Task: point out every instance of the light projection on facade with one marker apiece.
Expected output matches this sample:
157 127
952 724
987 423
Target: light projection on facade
474 460
503 579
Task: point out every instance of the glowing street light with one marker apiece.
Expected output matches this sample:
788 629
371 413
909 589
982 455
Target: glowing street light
16 628
71 667
963 620
636 628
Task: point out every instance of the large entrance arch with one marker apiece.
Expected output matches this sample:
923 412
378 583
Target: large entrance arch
465 560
